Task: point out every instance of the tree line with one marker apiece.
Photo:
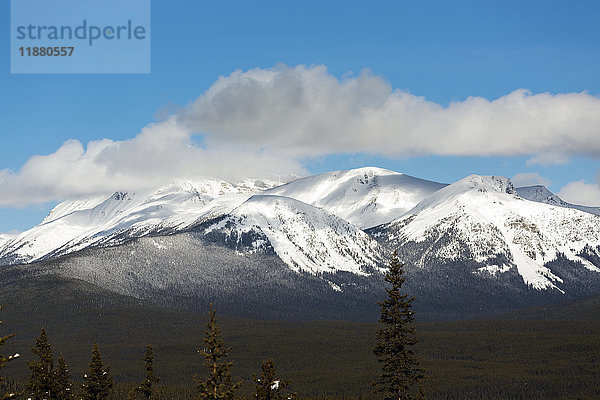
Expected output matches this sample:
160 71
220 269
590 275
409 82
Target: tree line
400 378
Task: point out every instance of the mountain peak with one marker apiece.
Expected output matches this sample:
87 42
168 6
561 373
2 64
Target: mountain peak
487 183
486 220
541 194
539 190
370 171
366 197
472 187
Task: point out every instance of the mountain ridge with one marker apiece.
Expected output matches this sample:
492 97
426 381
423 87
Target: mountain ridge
541 194
499 230
366 197
472 247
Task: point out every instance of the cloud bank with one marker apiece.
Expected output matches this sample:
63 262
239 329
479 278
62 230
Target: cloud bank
267 121
306 111
580 192
161 153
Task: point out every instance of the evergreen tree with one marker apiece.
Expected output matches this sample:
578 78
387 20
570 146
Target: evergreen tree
98 382
3 361
146 387
40 384
401 374
218 385
268 386
63 386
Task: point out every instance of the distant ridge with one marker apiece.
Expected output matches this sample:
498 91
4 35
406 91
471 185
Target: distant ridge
317 247
542 195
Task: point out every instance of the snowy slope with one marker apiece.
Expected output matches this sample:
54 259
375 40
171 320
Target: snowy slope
314 224
74 225
487 221
67 207
306 238
541 194
366 197
5 237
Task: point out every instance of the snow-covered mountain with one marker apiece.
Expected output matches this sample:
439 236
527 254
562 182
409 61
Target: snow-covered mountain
306 238
366 197
473 246
482 220
111 220
541 194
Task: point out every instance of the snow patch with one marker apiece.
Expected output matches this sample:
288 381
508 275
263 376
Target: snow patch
494 269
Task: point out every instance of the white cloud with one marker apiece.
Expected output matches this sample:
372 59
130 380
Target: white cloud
266 121
159 154
305 112
530 179
547 159
582 193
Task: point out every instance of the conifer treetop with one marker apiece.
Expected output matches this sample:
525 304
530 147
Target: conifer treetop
218 384
41 380
63 385
401 376
98 382
146 387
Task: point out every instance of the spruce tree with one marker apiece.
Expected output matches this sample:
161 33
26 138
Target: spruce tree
63 386
41 379
3 361
268 386
146 387
217 385
400 372
98 382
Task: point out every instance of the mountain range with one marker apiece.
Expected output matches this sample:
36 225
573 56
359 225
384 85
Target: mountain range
318 246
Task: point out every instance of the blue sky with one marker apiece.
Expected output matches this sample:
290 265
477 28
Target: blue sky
441 51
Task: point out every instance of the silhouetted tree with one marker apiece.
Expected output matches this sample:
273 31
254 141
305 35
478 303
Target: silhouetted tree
63 385
41 379
218 383
401 375
145 389
98 382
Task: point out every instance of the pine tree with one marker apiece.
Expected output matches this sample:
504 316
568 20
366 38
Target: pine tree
40 384
268 386
98 382
218 384
401 374
145 388
3 361
63 386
